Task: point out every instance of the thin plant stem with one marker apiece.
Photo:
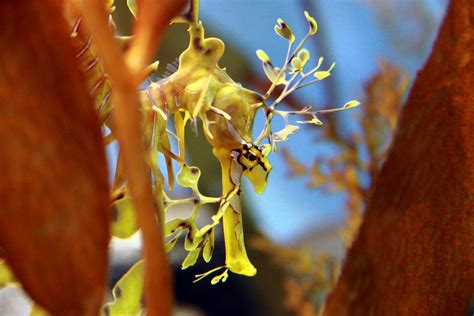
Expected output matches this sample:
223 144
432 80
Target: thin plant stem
127 118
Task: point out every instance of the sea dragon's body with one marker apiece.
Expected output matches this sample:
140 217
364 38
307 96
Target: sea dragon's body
199 89
203 90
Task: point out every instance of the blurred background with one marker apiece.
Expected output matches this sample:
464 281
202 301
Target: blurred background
297 231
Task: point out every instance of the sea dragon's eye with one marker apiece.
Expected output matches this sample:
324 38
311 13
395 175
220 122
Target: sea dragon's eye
251 156
255 164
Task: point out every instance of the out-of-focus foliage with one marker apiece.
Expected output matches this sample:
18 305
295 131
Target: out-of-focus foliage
413 253
311 277
410 29
348 171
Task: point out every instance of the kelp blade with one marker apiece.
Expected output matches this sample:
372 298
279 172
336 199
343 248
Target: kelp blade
54 216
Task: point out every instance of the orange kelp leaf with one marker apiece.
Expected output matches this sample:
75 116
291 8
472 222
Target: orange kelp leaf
125 78
54 212
413 254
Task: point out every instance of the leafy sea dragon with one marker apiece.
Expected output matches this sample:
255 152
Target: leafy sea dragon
200 90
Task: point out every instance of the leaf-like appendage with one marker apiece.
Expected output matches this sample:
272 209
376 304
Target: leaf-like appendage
124 221
351 104
321 75
188 177
132 6
313 26
191 258
304 55
220 278
127 293
315 120
282 135
171 243
300 60
284 30
174 225
37 311
263 56
208 247
271 72
6 276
